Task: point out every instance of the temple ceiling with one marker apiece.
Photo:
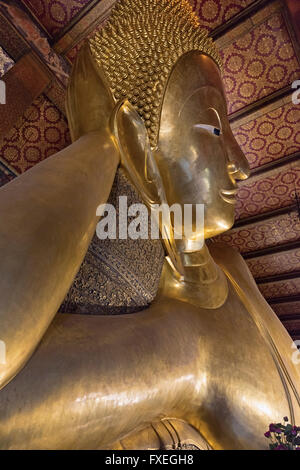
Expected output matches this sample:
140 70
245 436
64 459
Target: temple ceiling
39 40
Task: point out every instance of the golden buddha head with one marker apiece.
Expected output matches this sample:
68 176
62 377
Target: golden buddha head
170 118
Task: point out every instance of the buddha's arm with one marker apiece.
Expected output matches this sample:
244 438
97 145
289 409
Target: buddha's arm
270 327
267 321
47 219
95 379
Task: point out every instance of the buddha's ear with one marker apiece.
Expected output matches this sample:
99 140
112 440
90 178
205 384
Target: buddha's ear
136 154
89 101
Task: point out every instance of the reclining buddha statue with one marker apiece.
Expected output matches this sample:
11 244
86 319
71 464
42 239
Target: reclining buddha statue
207 363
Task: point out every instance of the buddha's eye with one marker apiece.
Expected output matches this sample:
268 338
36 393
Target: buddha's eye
211 129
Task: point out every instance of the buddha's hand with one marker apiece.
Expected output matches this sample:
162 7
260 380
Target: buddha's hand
89 101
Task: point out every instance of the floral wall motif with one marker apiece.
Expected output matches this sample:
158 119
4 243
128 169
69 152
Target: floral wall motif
272 136
277 263
6 62
213 13
280 288
272 232
268 191
54 15
42 131
259 63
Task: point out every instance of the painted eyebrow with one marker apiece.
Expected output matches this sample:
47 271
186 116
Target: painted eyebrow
212 129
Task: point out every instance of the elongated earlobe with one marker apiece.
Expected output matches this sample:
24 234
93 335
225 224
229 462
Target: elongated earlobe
136 154
89 101
138 160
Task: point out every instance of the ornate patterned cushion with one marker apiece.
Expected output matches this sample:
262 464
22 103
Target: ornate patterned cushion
117 276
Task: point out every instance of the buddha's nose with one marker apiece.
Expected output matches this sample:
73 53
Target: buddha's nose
238 166
238 172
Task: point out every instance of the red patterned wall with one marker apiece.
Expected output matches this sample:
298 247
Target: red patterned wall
288 308
42 131
259 63
271 136
268 191
272 232
55 14
213 13
280 288
278 263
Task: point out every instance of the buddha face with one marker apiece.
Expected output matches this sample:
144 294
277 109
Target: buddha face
197 155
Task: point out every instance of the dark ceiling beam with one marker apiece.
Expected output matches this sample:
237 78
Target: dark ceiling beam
219 31
266 100
278 94
284 300
280 162
289 317
271 250
238 18
278 277
294 334
265 216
